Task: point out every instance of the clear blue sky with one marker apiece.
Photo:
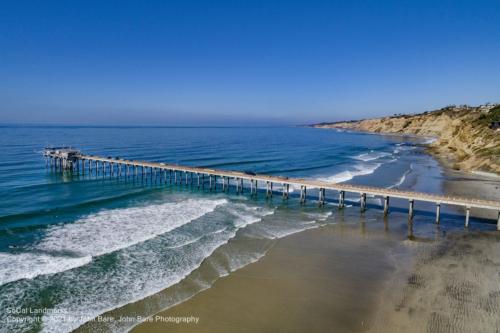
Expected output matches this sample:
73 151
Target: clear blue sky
243 62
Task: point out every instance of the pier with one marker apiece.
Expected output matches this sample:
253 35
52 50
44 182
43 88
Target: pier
67 158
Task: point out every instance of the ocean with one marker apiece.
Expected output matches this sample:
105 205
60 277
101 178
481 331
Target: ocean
78 246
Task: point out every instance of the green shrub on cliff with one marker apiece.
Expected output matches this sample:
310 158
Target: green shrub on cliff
486 119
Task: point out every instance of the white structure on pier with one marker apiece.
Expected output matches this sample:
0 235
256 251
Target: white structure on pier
62 157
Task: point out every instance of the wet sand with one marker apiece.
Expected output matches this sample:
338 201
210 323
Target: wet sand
454 284
314 281
472 185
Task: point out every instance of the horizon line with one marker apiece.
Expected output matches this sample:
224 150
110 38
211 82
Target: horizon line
41 125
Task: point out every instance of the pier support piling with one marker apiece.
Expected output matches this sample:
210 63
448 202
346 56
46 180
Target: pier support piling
269 189
303 193
321 197
411 203
386 205
286 191
467 216
341 199
255 187
362 202
237 185
438 213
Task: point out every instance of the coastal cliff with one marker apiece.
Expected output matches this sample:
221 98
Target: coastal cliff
467 138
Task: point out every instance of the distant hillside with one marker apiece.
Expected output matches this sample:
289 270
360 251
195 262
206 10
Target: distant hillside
467 137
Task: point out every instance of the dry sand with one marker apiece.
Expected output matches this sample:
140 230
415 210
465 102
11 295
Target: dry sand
455 287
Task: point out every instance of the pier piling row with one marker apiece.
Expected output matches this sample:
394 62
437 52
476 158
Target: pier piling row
66 158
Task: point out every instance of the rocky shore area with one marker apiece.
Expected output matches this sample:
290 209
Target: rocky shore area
467 138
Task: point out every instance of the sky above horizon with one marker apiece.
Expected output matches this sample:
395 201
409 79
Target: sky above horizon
243 62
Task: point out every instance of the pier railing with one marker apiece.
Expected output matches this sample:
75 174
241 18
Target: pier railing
65 158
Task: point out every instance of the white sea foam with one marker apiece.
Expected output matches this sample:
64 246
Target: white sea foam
305 222
401 180
30 265
191 241
112 230
133 284
246 215
401 148
72 245
357 170
371 156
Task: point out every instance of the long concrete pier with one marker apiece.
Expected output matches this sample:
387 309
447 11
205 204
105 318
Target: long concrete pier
66 158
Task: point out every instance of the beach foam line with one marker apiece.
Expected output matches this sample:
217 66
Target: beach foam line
280 230
234 261
357 170
246 215
371 156
402 179
402 147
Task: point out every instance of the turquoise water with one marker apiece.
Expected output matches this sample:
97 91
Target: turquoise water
85 244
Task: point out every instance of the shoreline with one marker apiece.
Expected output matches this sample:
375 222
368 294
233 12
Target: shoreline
262 295
447 160
232 291
466 136
484 184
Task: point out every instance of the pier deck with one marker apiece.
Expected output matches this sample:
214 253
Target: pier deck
75 160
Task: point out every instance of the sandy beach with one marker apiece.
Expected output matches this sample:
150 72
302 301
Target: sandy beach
453 287
313 281
473 185
374 275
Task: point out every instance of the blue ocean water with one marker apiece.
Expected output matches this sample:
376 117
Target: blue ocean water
88 244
